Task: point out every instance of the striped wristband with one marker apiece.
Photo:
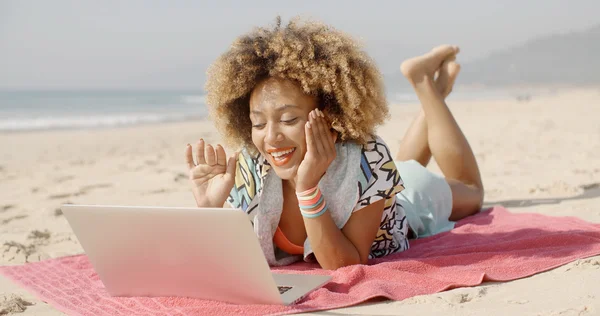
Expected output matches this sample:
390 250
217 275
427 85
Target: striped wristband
312 203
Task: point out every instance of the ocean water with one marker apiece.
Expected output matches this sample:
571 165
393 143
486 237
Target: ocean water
43 110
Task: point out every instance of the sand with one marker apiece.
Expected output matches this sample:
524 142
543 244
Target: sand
538 156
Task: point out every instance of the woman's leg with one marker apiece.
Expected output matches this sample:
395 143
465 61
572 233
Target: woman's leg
445 139
414 145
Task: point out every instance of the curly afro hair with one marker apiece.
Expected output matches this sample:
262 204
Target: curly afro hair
324 62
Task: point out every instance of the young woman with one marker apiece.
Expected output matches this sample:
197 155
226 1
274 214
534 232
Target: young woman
302 102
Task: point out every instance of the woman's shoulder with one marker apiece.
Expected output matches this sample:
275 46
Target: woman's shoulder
373 142
375 159
375 149
378 177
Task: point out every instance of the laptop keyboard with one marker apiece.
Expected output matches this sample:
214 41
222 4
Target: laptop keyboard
283 289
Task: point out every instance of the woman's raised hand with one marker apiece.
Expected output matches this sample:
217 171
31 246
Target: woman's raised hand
212 175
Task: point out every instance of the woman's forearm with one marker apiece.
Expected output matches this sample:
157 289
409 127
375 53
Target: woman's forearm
331 247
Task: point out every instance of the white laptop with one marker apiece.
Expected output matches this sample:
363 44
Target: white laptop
187 252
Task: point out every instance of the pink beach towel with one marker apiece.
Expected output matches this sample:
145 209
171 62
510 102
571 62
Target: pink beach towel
492 246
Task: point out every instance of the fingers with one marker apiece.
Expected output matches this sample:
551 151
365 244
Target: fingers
200 152
231 164
329 135
317 132
326 134
205 155
209 155
188 156
322 136
221 156
310 143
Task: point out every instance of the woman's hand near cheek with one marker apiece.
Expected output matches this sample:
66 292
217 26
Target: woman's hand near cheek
320 151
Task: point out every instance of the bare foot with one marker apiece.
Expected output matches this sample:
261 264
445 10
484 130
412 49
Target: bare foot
418 69
446 77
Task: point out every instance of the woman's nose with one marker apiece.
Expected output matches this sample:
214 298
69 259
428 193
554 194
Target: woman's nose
273 134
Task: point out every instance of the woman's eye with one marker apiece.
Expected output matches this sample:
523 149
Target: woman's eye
258 126
290 121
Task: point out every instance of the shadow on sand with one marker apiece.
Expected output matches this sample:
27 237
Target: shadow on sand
590 191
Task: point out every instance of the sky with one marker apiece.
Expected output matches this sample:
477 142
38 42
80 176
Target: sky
109 44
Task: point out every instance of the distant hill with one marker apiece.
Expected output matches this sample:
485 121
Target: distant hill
570 59
560 59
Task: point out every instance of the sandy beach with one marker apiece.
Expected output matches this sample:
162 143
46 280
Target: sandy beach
539 156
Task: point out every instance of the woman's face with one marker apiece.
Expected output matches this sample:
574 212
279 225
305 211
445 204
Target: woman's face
279 110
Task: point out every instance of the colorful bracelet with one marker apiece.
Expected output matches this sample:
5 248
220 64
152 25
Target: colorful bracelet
307 192
308 197
315 214
312 203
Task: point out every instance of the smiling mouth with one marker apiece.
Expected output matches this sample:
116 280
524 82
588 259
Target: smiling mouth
281 156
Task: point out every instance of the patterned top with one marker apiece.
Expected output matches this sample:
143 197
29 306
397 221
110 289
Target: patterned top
358 177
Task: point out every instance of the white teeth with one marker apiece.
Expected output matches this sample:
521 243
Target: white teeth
278 154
